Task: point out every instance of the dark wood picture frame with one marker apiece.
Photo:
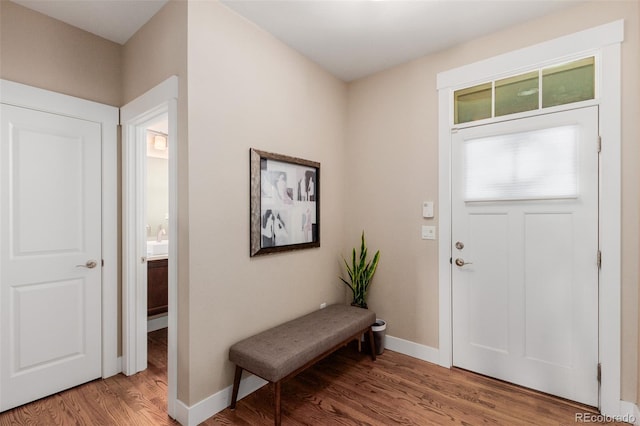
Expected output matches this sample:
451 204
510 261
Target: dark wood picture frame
285 203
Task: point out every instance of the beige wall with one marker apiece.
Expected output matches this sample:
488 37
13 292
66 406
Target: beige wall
393 136
156 52
246 89
49 54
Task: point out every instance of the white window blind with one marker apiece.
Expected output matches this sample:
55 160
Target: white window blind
538 164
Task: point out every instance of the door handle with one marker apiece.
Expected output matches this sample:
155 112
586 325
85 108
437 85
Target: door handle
90 264
460 262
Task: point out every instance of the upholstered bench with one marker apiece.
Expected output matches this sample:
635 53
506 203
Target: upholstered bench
283 351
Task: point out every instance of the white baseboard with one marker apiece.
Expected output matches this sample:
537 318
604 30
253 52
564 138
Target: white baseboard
412 349
157 323
181 413
629 413
201 411
208 407
112 368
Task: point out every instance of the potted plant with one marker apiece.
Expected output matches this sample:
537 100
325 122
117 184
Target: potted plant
360 274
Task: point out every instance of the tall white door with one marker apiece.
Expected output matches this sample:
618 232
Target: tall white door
524 260
50 254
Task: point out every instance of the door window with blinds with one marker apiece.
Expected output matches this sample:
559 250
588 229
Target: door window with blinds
539 164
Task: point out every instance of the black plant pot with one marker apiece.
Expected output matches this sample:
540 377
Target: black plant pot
379 336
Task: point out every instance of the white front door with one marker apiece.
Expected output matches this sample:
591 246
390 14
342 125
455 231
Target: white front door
50 254
524 255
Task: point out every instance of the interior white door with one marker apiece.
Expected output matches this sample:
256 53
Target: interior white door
524 260
50 254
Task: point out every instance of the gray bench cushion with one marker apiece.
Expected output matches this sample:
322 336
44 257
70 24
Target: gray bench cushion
277 352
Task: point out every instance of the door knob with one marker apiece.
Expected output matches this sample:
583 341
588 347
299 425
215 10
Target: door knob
90 264
461 262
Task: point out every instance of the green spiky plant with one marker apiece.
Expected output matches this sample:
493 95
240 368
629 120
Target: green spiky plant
360 274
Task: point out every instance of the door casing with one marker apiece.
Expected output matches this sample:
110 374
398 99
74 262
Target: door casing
605 42
17 94
160 100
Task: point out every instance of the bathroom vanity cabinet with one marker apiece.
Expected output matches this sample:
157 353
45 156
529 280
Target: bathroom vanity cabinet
157 286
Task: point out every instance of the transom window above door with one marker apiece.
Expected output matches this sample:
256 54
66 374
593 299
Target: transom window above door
555 85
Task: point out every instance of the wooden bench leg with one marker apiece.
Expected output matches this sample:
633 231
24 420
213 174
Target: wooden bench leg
236 386
276 401
372 345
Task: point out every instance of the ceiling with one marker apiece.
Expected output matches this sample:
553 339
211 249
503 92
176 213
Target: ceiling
115 20
349 38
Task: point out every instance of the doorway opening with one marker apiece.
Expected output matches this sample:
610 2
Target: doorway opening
149 224
156 139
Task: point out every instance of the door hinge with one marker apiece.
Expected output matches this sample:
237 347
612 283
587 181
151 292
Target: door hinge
599 260
599 373
599 143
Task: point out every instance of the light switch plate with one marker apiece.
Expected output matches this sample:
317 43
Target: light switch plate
427 209
428 232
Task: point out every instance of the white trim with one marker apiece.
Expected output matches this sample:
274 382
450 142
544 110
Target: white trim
45 100
110 366
149 100
412 349
172 317
134 266
210 406
444 246
606 39
57 103
629 413
611 230
182 413
159 100
157 323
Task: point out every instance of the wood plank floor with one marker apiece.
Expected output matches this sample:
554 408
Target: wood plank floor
345 389
349 389
140 399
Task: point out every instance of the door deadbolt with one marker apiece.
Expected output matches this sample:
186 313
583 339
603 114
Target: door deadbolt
459 245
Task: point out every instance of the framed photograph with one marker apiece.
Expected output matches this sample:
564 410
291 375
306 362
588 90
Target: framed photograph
285 203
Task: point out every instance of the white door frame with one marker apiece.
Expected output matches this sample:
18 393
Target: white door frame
107 116
603 41
162 99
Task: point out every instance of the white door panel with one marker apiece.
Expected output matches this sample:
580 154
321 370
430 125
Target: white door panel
525 300
50 217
